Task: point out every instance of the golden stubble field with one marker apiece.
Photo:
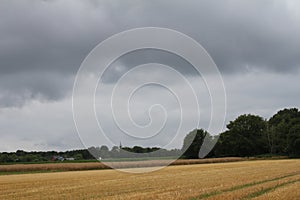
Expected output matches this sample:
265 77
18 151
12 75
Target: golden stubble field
273 179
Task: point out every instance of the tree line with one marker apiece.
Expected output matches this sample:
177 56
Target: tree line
92 153
251 135
248 135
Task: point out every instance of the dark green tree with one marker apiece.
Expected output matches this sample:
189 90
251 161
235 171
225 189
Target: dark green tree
280 125
294 140
192 143
78 156
246 136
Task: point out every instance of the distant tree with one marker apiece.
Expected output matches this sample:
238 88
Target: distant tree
294 140
192 143
138 149
4 158
104 148
94 152
280 125
104 151
86 155
246 136
78 156
20 153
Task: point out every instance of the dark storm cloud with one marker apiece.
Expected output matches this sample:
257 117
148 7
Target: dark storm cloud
17 89
42 37
49 35
237 34
42 44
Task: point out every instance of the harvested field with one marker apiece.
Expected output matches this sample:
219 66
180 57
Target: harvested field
98 165
272 179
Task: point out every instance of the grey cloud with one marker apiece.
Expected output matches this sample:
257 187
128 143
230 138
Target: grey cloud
51 36
237 34
18 89
56 35
144 56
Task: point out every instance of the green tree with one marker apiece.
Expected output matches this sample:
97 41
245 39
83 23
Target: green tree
193 142
78 156
294 140
246 136
281 124
138 149
4 158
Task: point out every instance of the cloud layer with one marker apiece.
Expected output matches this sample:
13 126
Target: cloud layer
255 44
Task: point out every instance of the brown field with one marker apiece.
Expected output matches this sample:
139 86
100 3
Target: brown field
272 179
97 165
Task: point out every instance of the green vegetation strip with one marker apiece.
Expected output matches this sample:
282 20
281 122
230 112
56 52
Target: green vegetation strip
265 190
238 187
29 172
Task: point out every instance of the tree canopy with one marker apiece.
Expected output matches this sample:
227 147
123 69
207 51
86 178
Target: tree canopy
193 142
251 135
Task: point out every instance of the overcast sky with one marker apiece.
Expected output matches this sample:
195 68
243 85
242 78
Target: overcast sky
254 43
